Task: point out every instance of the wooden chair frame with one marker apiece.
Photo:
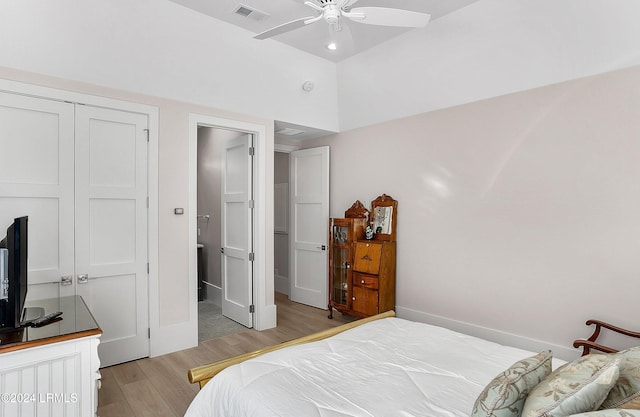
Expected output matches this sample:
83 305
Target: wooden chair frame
591 343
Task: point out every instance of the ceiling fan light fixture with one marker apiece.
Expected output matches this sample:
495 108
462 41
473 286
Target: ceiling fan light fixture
332 14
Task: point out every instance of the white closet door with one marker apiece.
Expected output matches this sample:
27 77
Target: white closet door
37 180
237 274
111 228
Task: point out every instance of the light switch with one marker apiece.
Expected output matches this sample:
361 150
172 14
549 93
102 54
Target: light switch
178 210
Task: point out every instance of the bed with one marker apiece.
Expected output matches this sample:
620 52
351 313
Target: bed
380 366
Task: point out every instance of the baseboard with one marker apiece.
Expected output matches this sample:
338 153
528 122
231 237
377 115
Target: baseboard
281 284
213 293
497 336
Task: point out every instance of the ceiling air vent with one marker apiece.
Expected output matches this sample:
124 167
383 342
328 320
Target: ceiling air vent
246 11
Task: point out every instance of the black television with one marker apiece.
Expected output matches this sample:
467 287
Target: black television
16 243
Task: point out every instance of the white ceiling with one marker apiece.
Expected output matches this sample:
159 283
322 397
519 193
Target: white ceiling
353 39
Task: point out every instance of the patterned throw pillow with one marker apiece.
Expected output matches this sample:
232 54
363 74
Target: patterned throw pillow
626 392
573 388
505 394
614 412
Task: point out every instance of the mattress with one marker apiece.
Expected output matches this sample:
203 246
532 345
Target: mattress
389 367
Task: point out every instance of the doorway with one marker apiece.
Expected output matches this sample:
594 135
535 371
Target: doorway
224 186
281 221
210 221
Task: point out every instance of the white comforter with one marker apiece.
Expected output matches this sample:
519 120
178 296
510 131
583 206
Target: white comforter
390 367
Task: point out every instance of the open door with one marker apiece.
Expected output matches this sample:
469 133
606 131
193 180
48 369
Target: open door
237 226
309 177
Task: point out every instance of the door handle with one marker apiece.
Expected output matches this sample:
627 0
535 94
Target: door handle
66 280
83 278
323 247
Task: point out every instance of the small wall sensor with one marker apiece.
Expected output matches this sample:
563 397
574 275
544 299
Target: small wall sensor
307 86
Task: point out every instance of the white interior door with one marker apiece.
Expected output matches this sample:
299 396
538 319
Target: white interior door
37 180
236 240
111 228
309 177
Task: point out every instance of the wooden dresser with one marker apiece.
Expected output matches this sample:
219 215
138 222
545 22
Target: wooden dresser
362 272
373 278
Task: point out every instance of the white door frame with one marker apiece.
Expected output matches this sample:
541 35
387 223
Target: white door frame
263 285
15 87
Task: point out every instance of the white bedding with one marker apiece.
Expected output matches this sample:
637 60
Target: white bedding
389 367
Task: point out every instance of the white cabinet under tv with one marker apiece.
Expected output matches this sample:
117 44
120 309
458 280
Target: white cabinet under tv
54 369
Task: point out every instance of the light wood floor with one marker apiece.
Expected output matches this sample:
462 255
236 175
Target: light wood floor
159 387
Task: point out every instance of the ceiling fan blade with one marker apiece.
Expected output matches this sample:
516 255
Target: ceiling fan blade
285 27
313 6
384 16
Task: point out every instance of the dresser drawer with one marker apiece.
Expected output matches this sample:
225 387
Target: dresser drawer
366 281
367 257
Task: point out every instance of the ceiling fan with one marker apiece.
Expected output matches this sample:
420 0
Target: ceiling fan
332 11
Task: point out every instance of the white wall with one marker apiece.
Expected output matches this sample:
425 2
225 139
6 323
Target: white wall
162 49
487 49
518 216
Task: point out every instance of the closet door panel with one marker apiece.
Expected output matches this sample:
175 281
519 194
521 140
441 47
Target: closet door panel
30 141
37 180
111 228
112 220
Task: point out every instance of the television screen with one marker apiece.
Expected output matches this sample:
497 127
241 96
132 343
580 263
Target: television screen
16 243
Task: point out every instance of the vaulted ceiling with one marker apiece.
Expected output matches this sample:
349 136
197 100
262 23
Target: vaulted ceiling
352 39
